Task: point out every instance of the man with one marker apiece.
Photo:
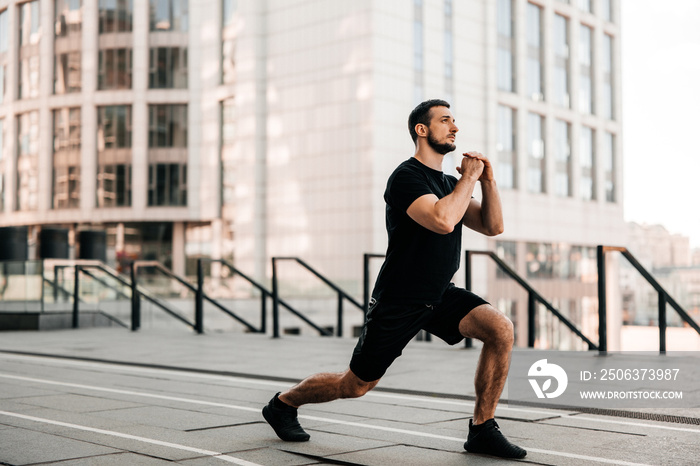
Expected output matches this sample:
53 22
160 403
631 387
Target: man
424 210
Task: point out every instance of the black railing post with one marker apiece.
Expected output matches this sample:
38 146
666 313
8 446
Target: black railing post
76 298
199 300
602 302
662 323
339 330
263 312
135 301
275 302
55 284
531 314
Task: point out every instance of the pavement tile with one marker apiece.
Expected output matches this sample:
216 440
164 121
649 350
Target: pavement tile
262 456
405 454
182 419
118 459
375 410
21 446
76 403
12 389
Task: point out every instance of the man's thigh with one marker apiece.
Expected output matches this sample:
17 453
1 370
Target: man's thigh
387 331
455 305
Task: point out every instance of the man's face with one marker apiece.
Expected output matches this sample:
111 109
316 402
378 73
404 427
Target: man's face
442 130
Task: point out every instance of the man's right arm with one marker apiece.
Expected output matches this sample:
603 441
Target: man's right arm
442 215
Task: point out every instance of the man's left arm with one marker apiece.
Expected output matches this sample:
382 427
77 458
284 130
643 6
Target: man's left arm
485 217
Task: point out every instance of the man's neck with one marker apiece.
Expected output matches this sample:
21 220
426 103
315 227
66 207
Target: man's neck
430 159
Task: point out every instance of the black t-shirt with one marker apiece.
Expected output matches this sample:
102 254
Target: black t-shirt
419 263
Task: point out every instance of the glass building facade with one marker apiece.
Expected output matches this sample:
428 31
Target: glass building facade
190 129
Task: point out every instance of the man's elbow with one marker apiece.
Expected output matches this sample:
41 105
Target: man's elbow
494 230
443 228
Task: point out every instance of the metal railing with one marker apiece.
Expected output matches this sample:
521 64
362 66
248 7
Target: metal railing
664 298
532 298
200 296
83 267
276 299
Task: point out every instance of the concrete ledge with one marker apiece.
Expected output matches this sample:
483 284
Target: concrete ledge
52 320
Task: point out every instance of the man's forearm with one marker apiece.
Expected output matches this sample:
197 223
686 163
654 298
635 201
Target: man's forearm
491 210
452 207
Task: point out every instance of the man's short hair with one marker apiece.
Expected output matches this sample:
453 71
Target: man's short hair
421 114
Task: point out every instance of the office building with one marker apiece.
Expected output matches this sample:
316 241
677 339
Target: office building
250 129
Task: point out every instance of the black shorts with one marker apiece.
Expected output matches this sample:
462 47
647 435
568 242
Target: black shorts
389 327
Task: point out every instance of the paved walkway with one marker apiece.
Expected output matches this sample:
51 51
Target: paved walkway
110 396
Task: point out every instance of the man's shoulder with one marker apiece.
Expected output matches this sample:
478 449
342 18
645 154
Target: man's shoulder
407 168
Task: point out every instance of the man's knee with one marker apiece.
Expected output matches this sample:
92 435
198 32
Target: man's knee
489 325
354 387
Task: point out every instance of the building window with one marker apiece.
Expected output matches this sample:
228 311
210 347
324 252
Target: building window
168 68
508 252
228 10
587 165
169 15
561 61
536 153
114 156
114 69
585 5
2 165
505 146
114 185
562 155
228 162
27 161
4 48
418 58
167 184
506 46
167 155
586 70
67 45
68 18
167 126
29 38
535 53
228 38
608 98
66 158
67 72
116 16
607 10
539 260
449 51
609 165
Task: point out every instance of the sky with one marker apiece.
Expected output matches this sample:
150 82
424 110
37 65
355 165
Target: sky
661 114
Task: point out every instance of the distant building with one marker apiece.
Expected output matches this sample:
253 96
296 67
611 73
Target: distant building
668 257
245 129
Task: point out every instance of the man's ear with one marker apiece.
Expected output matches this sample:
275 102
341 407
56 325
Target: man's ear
421 130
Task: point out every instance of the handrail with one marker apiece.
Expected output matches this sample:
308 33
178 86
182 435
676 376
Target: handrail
76 287
664 297
136 305
276 299
201 296
533 297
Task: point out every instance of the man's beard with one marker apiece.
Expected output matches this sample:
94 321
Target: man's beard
441 149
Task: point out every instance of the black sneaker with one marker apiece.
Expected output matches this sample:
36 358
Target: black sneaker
487 439
284 422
